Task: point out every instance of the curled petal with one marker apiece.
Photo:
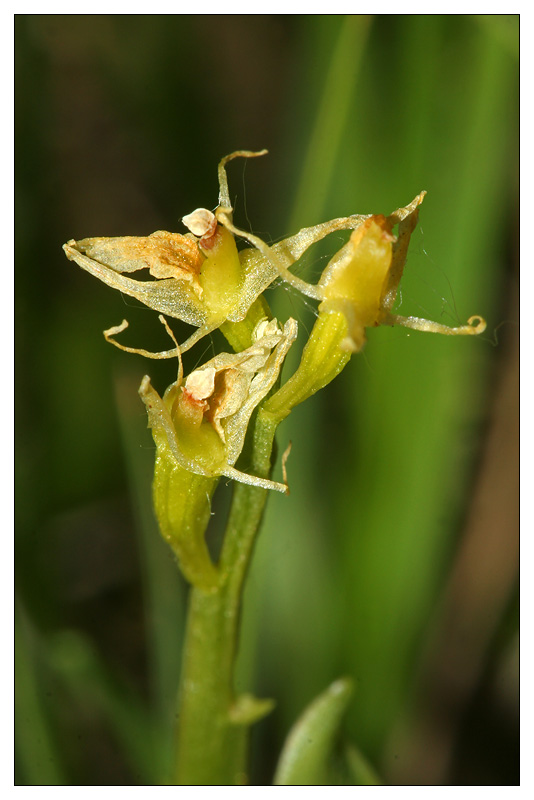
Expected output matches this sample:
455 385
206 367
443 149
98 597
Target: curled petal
475 325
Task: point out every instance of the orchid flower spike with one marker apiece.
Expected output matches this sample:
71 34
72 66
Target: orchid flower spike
202 279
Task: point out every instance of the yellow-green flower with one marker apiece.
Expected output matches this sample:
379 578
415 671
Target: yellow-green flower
362 278
202 421
198 277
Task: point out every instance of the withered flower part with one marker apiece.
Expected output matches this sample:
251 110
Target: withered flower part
200 277
202 421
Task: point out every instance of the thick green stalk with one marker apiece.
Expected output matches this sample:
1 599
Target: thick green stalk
211 747
213 723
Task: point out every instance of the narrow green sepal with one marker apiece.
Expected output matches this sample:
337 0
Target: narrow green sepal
305 755
247 709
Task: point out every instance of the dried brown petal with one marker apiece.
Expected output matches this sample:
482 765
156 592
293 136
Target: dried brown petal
164 254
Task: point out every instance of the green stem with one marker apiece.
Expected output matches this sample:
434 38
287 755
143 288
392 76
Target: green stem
213 723
211 748
322 359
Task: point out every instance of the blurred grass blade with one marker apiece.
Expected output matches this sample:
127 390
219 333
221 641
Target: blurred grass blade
331 119
82 671
360 771
304 758
38 762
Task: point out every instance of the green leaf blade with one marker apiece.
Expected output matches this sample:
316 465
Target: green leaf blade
304 758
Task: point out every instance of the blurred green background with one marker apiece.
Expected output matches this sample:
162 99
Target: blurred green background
394 559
